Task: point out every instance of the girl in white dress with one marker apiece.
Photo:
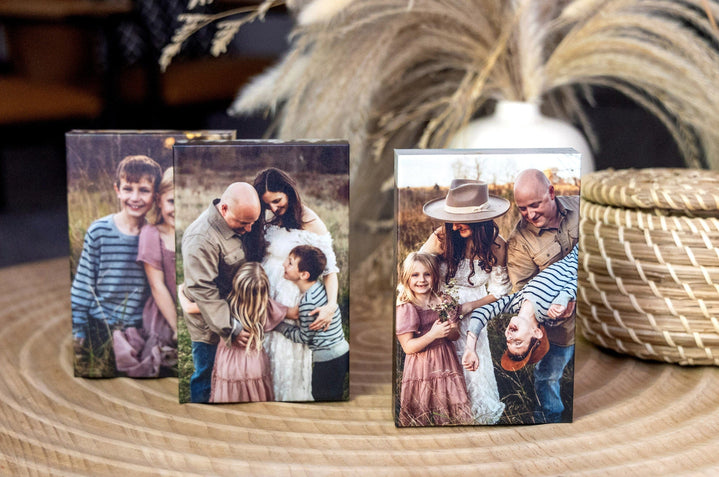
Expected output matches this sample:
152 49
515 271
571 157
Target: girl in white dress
292 224
475 266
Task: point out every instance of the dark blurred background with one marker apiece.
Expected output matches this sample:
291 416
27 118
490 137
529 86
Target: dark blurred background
93 64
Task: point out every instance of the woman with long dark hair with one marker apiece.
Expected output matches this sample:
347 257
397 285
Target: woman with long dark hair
292 223
474 269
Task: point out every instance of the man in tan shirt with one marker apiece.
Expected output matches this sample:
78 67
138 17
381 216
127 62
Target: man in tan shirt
546 233
213 250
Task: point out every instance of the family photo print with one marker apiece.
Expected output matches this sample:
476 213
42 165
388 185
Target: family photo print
120 197
262 268
486 286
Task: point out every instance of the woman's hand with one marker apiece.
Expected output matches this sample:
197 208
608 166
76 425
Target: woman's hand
324 317
470 360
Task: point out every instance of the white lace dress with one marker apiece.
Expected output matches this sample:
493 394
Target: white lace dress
481 384
290 362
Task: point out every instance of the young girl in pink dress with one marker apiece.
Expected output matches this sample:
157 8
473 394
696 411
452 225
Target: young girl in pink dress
433 390
242 373
152 350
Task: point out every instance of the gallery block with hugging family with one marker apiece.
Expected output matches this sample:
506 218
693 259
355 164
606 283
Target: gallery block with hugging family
486 286
262 231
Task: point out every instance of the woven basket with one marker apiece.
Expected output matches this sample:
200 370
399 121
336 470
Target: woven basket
649 263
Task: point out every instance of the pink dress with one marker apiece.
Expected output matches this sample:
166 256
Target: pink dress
433 390
240 375
142 353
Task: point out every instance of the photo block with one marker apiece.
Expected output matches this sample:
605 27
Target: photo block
486 286
122 251
263 271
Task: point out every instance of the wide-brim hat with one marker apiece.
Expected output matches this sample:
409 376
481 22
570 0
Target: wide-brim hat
466 202
540 348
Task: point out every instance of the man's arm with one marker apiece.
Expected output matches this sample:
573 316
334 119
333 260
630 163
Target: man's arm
564 274
201 266
301 333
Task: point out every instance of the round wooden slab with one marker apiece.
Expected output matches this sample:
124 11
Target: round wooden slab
631 417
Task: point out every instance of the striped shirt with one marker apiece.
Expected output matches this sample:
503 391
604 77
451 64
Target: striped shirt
555 284
109 284
325 345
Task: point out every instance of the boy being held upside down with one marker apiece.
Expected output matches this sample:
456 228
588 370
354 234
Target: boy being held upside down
544 319
543 302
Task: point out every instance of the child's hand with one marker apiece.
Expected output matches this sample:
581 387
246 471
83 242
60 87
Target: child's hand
242 337
440 329
470 360
556 310
293 313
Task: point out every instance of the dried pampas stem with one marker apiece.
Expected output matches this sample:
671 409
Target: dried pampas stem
194 22
710 15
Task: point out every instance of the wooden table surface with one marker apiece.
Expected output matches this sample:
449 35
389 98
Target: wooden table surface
631 417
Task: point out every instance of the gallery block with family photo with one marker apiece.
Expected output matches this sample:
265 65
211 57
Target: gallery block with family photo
120 192
262 270
486 286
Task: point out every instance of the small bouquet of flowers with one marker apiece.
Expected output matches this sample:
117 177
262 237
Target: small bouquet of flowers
449 308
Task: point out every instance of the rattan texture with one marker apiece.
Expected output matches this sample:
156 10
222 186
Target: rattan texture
649 274
631 417
662 190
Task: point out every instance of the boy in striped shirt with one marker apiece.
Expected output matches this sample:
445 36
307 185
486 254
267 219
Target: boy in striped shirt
110 288
539 305
330 350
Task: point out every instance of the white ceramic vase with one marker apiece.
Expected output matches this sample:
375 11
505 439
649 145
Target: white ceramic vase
517 124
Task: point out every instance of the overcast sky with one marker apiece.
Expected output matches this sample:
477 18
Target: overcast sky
440 167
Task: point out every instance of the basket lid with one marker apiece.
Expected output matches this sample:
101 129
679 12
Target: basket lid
692 191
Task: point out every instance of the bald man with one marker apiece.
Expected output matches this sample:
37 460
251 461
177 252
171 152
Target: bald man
546 233
213 250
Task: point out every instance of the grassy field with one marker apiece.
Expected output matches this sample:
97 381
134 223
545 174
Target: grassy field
516 389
